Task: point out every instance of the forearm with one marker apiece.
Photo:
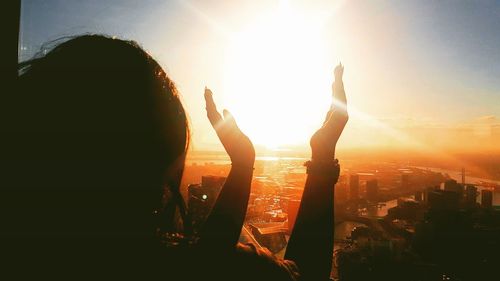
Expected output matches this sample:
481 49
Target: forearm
223 226
311 243
340 100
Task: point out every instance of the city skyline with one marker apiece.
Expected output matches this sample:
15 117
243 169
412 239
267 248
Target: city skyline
380 210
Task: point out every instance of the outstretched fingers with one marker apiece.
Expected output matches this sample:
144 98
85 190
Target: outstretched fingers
225 126
339 98
337 116
213 115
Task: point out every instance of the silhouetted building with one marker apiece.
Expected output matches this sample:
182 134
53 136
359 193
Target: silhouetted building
428 190
419 196
202 197
372 190
452 185
486 198
470 195
443 200
463 176
407 209
341 190
354 187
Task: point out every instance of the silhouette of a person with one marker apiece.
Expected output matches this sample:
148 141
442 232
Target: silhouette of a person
102 133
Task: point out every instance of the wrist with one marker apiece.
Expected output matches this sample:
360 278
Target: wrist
328 169
243 165
323 156
242 171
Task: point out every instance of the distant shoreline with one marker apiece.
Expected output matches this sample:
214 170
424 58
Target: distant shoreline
457 175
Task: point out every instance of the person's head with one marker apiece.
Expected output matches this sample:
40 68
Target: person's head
104 131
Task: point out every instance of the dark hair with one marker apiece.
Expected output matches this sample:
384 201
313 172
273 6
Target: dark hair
102 132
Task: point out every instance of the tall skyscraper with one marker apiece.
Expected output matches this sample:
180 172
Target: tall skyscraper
419 196
341 190
463 176
470 195
372 190
428 190
354 187
486 198
443 200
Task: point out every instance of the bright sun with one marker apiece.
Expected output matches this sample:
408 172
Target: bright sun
278 77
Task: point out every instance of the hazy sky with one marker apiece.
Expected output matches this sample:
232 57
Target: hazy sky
423 73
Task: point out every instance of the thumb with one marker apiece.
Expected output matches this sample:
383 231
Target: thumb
209 100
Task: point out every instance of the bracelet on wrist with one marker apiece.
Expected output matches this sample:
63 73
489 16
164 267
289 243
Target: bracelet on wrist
325 168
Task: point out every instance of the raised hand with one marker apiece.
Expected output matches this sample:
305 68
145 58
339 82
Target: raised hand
324 141
338 72
237 145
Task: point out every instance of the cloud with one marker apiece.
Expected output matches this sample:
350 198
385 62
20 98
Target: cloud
480 133
488 119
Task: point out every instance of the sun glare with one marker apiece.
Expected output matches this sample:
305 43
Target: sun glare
278 77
